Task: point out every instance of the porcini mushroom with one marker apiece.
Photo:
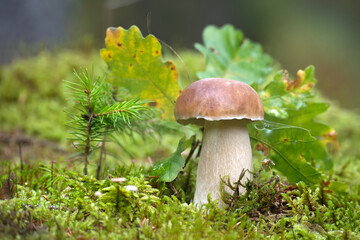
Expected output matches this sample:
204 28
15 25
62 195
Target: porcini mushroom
224 107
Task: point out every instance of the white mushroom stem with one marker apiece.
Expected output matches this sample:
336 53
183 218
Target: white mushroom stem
226 151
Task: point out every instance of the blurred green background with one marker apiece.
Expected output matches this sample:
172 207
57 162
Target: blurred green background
324 33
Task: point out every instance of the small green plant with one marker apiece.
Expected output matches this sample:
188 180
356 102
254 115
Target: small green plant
97 112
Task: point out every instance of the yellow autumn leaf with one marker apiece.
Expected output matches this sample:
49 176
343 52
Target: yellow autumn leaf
135 63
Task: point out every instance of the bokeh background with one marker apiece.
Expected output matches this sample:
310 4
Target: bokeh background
324 33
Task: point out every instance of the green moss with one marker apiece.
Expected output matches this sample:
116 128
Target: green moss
56 202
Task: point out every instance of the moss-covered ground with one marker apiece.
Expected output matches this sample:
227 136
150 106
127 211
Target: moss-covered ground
44 194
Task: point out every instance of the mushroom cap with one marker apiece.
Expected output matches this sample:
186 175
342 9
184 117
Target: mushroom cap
215 99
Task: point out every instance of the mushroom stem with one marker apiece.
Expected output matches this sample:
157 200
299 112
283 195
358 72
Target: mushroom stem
226 150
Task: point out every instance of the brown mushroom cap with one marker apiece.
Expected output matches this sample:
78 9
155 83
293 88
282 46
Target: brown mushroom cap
216 99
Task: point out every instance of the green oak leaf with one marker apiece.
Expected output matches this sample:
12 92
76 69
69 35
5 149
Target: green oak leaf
135 63
290 148
169 168
229 55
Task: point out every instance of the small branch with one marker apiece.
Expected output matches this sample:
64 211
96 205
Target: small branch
22 180
194 145
172 187
201 143
88 131
148 21
177 55
235 188
87 146
102 157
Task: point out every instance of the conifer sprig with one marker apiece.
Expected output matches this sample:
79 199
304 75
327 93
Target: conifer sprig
96 112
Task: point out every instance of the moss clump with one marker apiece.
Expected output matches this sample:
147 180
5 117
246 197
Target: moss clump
56 203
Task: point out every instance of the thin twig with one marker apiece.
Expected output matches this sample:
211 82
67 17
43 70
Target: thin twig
21 163
194 145
148 18
172 187
88 131
102 157
87 146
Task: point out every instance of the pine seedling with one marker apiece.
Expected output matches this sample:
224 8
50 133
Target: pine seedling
96 112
